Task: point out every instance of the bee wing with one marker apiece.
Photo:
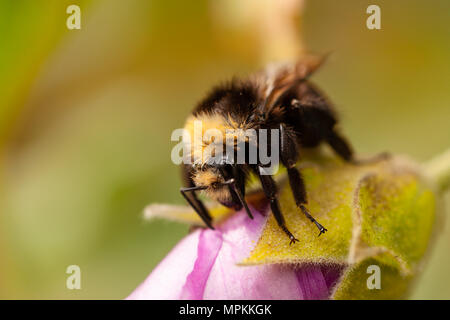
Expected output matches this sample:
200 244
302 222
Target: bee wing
279 78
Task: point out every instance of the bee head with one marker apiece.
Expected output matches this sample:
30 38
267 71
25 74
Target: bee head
217 189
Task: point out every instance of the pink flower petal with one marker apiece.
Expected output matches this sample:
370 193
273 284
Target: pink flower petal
208 248
230 281
332 273
167 279
316 281
312 283
204 266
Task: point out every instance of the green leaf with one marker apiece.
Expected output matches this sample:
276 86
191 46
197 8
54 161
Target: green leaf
353 285
382 214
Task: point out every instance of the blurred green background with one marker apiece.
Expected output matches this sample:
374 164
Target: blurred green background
86 117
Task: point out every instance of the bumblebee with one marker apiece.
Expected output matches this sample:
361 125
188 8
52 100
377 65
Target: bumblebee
281 97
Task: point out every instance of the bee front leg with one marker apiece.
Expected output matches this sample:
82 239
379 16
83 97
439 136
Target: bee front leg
197 205
192 198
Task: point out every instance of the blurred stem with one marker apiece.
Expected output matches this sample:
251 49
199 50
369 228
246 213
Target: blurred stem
280 29
438 169
273 25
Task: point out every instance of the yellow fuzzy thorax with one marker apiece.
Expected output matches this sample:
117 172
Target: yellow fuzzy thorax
201 134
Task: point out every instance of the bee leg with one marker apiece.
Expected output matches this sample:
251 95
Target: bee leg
289 157
341 146
192 199
299 192
270 190
244 203
236 186
197 205
240 189
238 197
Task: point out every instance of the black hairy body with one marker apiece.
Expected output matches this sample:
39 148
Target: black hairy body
282 98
